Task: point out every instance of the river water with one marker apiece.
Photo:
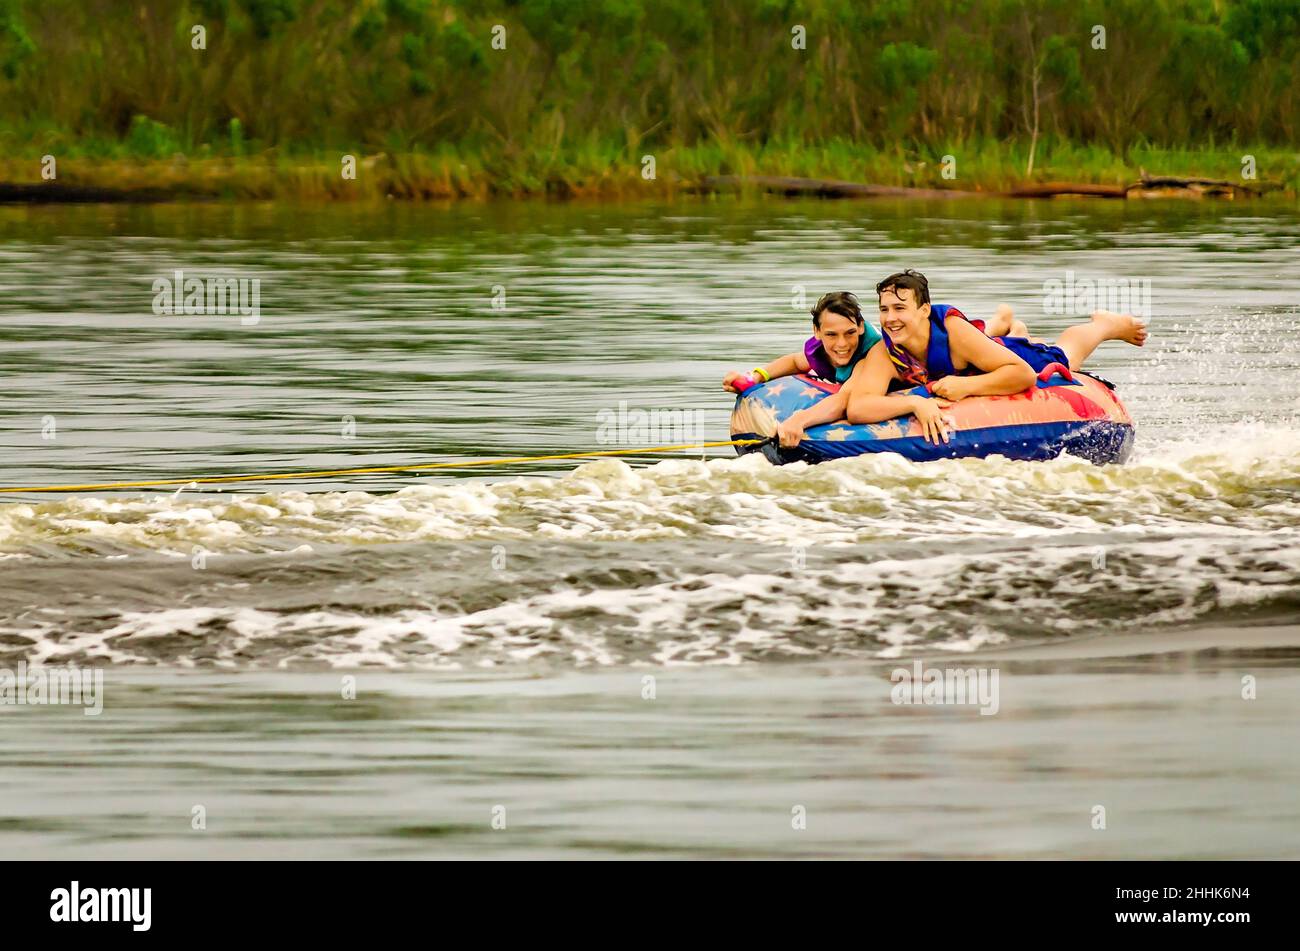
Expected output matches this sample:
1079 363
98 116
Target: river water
501 622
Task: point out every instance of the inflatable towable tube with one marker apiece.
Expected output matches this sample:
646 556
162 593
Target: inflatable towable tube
1074 413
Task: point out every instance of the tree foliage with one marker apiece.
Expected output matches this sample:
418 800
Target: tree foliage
642 74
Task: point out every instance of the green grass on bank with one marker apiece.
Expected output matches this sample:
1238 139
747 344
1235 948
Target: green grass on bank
238 169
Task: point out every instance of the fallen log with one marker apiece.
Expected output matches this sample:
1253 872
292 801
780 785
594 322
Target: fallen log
822 188
59 193
1163 186
1057 189
1148 187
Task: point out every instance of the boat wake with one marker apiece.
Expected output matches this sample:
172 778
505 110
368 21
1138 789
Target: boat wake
681 562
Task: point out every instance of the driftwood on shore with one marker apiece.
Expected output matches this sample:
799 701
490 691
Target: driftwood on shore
1054 189
59 193
1147 187
1162 186
822 188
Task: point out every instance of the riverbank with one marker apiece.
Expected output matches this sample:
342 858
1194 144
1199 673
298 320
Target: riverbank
993 169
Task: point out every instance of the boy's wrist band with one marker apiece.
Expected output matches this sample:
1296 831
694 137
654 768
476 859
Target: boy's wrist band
762 374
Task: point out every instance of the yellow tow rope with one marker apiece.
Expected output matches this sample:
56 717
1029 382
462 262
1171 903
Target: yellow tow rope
324 473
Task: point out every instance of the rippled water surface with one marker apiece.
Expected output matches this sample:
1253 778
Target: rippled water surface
810 763
406 334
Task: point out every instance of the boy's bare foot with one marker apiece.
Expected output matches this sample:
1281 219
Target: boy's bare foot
1001 323
1124 327
1004 323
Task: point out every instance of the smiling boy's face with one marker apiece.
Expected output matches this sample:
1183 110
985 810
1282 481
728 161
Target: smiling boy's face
900 317
839 336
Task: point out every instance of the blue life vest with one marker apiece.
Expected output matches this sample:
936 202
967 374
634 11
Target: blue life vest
938 354
938 357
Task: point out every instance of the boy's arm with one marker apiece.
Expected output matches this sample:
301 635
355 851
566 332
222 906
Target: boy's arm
823 411
791 432
863 399
1004 372
787 365
869 402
